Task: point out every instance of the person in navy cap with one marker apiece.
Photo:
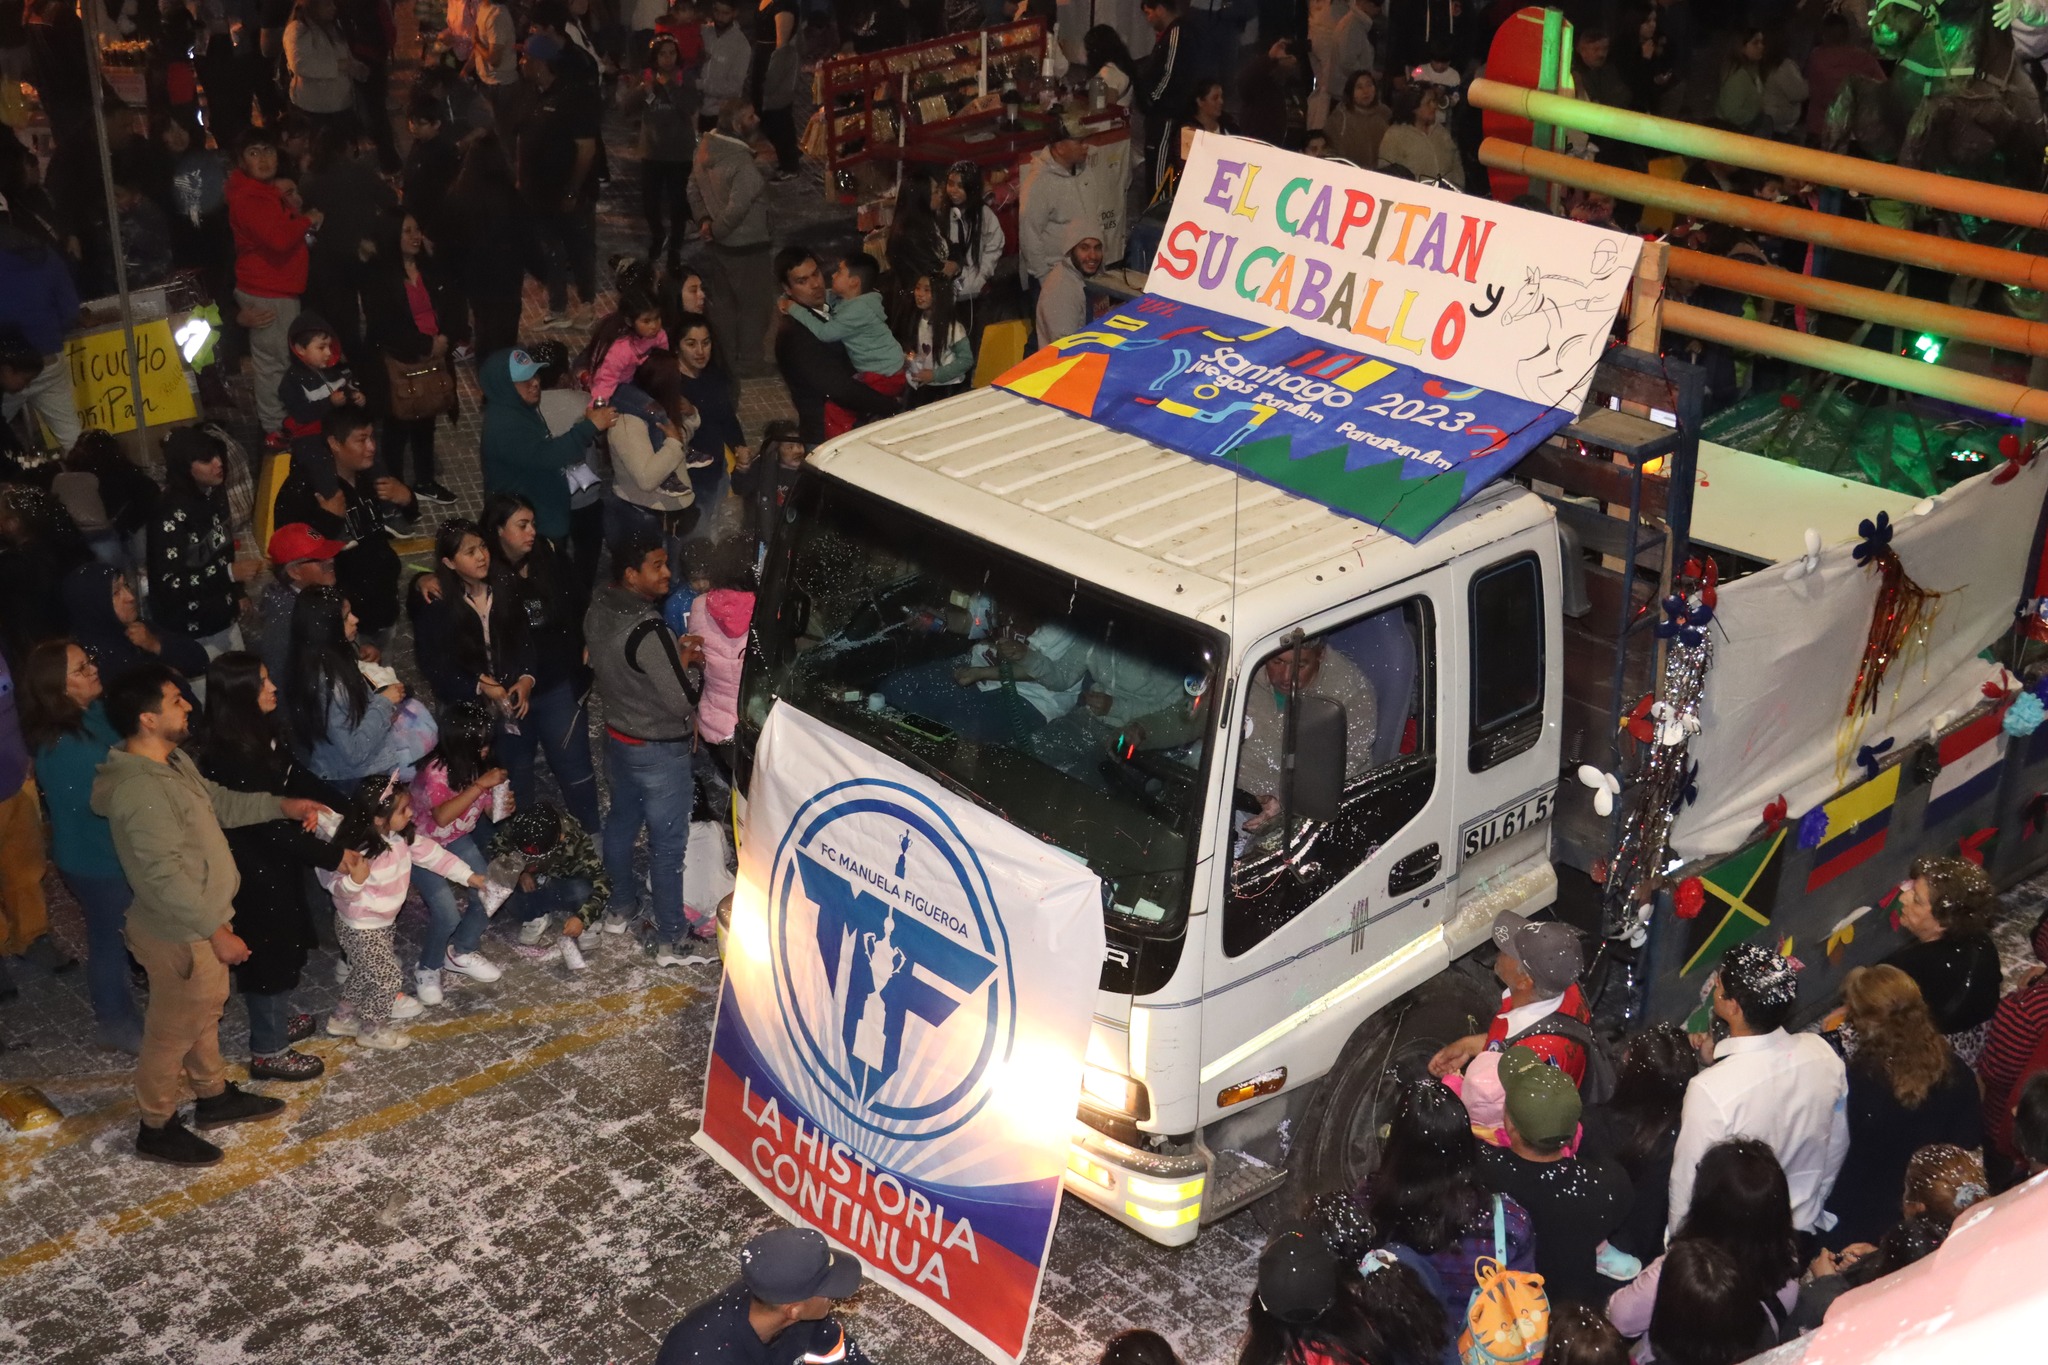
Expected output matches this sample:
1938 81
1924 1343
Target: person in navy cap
779 1311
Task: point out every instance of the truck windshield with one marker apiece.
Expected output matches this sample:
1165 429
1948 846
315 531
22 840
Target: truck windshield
1068 712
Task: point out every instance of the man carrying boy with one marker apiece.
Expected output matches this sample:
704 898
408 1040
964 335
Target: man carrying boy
270 268
817 372
858 321
368 569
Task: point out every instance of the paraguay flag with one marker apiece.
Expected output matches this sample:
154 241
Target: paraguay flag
1858 822
1971 760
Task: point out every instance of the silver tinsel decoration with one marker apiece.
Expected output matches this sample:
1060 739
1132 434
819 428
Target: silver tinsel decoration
1659 786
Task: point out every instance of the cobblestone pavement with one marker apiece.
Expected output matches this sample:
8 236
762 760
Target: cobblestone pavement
518 1186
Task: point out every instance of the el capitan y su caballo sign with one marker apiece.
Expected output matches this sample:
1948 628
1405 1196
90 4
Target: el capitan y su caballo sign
898 1051
1452 284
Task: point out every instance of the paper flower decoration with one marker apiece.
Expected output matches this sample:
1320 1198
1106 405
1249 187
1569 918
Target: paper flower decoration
2017 457
1683 620
1844 932
1807 562
2024 716
1606 786
1870 756
1637 722
1877 537
1813 828
1774 814
1689 899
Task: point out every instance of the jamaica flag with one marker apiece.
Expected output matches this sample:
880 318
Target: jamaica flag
1742 894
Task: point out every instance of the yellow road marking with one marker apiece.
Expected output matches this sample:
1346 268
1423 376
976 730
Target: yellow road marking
268 1149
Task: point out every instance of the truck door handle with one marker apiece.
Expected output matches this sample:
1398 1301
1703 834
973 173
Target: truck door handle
1418 869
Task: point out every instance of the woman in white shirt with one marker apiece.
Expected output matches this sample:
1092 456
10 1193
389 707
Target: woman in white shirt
974 242
323 74
1418 143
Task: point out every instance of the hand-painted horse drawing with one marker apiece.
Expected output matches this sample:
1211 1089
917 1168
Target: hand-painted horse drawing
1558 315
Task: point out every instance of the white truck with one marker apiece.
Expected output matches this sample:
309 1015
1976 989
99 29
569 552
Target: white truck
1310 762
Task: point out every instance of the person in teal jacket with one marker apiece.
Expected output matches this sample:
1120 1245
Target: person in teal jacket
68 730
519 454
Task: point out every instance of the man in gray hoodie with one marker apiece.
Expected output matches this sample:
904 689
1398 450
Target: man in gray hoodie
166 821
727 198
650 715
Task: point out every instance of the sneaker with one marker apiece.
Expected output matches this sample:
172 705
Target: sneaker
534 952
233 1105
426 986
286 1066
341 971
386 1039
463 353
174 1145
299 1028
426 490
572 956
616 924
475 966
404 1006
669 953
557 322
533 931
342 1022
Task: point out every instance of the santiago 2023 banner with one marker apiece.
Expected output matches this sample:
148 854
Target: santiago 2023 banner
897 1058
1383 347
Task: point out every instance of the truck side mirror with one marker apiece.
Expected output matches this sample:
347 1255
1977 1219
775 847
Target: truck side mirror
1316 772
1571 558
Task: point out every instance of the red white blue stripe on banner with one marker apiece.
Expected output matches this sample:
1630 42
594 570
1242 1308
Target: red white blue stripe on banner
1971 760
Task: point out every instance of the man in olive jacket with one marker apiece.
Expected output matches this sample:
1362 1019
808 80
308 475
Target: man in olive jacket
166 821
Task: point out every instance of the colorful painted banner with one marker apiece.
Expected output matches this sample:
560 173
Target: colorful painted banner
1859 822
1462 288
100 387
1971 760
1385 443
898 1052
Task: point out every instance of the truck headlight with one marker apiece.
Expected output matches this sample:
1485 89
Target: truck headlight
1102 1088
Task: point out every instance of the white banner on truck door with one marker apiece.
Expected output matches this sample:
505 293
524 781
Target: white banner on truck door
1452 284
1785 656
897 1059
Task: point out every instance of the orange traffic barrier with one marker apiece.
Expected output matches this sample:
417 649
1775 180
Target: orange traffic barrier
1853 301
1877 367
1973 197
1781 220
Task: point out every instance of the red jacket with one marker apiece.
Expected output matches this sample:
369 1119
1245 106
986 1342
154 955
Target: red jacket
270 238
1559 1052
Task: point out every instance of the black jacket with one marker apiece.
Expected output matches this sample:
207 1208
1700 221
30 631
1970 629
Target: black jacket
1884 1134
552 623
272 915
89 606
367 571
1959 974
192 588
448 641
1166 77
430 168
816 371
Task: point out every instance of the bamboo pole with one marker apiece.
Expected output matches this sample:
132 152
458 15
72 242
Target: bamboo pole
1780 220
1876 367
1974 197
1868 305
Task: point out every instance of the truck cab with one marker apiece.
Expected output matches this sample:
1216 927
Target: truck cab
1310 761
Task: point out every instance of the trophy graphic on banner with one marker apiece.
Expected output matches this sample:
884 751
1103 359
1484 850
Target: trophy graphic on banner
871 1034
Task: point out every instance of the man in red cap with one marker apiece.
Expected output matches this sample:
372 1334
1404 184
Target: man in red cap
299 558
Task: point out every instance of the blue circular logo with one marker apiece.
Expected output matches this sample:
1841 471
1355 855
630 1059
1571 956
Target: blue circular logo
890 961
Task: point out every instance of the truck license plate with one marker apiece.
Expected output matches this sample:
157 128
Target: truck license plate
1483 834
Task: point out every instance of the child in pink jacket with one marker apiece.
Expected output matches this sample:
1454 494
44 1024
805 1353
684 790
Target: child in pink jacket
721 618
625 338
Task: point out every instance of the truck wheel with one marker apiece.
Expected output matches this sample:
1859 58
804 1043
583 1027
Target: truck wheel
1340 1143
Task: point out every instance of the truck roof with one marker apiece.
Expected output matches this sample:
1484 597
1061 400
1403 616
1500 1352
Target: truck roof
1143 521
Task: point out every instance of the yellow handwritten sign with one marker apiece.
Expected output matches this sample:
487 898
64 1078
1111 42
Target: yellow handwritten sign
100 384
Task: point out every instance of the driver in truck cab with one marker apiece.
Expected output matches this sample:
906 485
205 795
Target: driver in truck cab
1539 966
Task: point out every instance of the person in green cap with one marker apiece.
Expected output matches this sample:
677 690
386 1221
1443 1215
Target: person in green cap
1574 1201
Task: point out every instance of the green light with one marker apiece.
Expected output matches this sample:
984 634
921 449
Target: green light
1928 348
